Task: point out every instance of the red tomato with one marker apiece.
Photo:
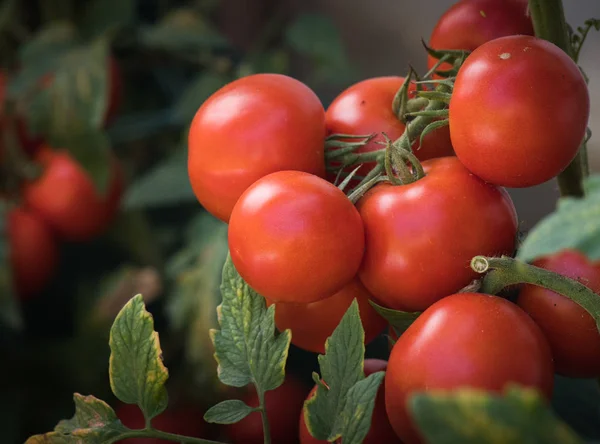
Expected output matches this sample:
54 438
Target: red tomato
252 127
381 431
421 237
470 23
465 340
505 125
295 237
33 252
66 198
570 330
182 420
313 323
283 408
366 108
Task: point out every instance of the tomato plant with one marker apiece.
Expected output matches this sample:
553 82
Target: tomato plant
412 257
467 24
465 339
65 197
254 126
366 108
313 323
570 330
33 252
285 229
381 431
283 407
496 124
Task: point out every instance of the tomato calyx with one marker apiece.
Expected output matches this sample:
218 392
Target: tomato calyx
501 272
454 57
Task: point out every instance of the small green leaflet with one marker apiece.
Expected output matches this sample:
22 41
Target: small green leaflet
247 348
94 422
137 373
228 412
401 320
575 224
469 416
344 406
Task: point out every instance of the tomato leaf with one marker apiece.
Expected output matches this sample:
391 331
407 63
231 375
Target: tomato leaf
166 184
102 16
247 348
574 224
341 368
400 320
137 373
228 412
471 416
354 420
10 313
94 422
50 42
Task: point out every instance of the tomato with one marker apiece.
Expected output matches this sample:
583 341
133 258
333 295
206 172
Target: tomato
183 420
465 340
313 323
283 408
294 237
250 128
366 108
421 237
569 328
381 431
33 252
518 112
65 196
470 23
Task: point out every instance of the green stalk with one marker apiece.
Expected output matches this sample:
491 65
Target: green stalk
549 23
264 416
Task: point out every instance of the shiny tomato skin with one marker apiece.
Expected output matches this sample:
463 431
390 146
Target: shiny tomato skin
182 420
570 330
294 237
366 108
465 340
33 252
505 125
284 405
250 128
421 237
381 431
66 198
313 323
468 24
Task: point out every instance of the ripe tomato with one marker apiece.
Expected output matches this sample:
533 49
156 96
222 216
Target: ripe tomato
66 198
33 252
283 408
313 323
505 125
570 330
366 108
182 420
252 127
421 237
470 23
381 431
465 340
295 237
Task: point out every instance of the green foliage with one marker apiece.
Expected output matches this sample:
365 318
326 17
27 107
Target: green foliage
196 93
137 373
229 411
574 225
102 16
519 416
10 315
344 401
400 320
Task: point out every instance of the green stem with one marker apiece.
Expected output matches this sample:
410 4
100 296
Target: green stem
152 433
506 271
548 17
264 416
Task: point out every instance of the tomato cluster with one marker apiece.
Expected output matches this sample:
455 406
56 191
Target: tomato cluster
57 202
261 159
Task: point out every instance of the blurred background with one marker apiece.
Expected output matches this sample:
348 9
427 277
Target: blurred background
113 85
